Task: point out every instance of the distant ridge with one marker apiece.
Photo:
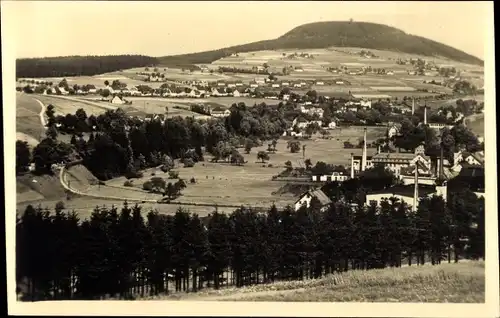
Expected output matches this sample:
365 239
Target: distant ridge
336 33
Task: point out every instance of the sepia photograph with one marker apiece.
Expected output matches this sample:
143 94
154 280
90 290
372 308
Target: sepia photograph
252 157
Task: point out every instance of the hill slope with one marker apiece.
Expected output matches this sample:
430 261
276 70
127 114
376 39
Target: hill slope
336 33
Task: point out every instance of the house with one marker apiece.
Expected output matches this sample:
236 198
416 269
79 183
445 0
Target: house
275 85
260 80
333 123
306 198
219 112
390 73
92 90
320 83
366 104
221 84
153 117
393 130
285 84
298 85
239 84
338 82
117 100
218 92
194 93
231 85
395 161
338 176
474 159
63 90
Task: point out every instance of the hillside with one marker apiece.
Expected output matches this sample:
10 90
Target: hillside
454 283
339 34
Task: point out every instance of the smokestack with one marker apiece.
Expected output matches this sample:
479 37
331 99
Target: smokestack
413 105
352 165
378 149
425 115
441 164
363 158
415 193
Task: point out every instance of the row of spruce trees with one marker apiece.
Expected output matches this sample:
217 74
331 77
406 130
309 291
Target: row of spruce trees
121 253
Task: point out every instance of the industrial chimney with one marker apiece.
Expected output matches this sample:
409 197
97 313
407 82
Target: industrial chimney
352 165
363 158
413 105
425 115
415 192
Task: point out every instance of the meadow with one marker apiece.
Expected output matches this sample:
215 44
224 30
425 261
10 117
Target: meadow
462 282
28 118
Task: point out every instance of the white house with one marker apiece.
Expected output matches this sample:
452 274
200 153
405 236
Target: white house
286 97
366 103
219 112
285 84
254 85
339 82
117 100
275 85
335 176
305 199
320 83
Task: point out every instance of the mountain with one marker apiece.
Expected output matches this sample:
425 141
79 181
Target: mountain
335 33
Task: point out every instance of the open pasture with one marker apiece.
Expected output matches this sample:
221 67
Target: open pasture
331 151
70 105
28 117
216 183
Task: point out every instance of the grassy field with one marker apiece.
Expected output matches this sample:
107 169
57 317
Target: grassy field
463 282
27 117
69 105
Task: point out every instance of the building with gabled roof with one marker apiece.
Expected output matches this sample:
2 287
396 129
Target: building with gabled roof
305 199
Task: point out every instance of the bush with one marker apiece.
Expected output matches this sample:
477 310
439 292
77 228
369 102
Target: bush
153 174
173 175
148 186
188 163
128 183
133 174
193 180
270 165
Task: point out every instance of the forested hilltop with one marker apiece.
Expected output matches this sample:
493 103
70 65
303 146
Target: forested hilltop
79 65
340 34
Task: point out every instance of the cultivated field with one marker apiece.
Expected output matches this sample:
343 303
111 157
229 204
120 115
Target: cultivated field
463 282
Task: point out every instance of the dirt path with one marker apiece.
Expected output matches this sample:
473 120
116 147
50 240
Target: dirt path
42 114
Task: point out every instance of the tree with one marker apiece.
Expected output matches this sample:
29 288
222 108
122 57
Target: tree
294 146
288 165
274 143
262 155
49 152
237 158
23 156
308 164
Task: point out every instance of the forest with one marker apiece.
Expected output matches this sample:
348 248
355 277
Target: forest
119 253
79 65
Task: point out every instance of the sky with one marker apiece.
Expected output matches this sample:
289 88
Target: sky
57 28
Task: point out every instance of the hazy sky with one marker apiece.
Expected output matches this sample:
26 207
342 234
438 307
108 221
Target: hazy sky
55 28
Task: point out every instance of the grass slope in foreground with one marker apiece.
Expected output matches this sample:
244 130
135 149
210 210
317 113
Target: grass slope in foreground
463 282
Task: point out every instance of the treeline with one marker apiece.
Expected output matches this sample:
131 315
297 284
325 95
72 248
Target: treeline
79 65
119 145
118 253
